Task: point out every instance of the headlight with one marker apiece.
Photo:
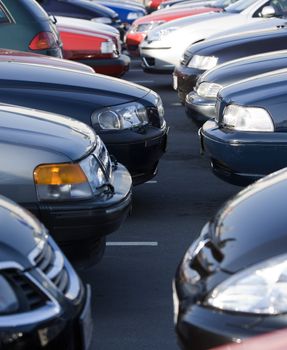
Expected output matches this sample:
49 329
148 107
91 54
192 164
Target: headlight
8 299
203 62
261 289
208 90
134 15
120 117
107 47
160 34
68 181
105 20
247 119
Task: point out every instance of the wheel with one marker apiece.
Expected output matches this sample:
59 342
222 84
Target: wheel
86 254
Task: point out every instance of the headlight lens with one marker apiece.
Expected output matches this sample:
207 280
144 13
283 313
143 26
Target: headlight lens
69 181
107 47
261 289
121 117
247 119
8 299
203 62
105 20
160 34
208 90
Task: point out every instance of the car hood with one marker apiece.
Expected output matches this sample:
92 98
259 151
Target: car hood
242 68
258 90
20 233
105 91
92 6
47 131
28 57
175 13
85 24
251 227
121 6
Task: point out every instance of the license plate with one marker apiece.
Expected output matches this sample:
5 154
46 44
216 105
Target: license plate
174 82
86 321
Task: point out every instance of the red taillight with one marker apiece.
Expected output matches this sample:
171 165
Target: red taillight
43 41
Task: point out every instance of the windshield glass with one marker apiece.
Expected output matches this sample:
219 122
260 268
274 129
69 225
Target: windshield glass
222 3
240 6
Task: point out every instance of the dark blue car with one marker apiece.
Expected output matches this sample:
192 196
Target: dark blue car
248 138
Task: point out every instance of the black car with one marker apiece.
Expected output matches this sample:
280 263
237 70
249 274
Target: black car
25 26
128 117
43 305
247 140
207 54
82 9
200 103
57 168
231 283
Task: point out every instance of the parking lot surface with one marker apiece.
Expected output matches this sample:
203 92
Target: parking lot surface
132 285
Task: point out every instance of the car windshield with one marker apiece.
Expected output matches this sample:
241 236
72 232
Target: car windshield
239 6
222 3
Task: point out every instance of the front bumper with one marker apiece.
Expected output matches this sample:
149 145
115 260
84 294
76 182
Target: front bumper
132 41
115 67
72 222
161 60
185 79
140 152
243 157
199 109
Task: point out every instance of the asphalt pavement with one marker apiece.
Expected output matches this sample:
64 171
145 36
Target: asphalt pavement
132 285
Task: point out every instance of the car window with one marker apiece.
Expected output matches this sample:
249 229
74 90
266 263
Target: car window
280 7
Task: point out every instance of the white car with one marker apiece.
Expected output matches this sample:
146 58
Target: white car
164 46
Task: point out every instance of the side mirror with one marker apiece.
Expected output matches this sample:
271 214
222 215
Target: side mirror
268 11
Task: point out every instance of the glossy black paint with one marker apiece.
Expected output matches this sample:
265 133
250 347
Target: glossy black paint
229 73
228 48
20 235
78 95
241 157
248 229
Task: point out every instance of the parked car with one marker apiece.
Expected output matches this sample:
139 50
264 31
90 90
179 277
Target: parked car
164 46
231 282
247 139
208 54
169 3
95 48
128 117
200 103
82 9
140 27
38 32
44 305
127 11
62 173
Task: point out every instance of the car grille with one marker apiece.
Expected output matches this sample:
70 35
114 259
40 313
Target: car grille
28 294
104 158
51 263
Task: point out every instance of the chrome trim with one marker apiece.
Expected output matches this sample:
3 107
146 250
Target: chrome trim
11 265
58 264
36 251
44 313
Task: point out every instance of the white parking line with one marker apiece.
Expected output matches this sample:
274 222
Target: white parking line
132 244
151 182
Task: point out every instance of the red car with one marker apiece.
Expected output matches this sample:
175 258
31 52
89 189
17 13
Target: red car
153 5
141 26
97 49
